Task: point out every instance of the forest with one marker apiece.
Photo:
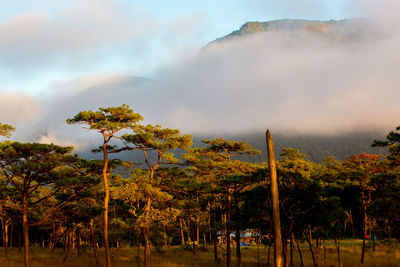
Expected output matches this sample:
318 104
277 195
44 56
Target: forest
212 200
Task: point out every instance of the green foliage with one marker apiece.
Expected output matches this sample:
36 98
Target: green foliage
158 139
5 130
393 142
107 120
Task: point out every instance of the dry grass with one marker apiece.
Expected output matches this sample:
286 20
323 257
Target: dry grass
384 255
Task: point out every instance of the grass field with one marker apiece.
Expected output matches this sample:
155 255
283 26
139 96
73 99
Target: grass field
384 255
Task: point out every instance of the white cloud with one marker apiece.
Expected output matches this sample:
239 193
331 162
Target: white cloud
19 109
50 138
82 37
373 8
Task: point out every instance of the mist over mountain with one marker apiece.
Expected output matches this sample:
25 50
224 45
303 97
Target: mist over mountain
328 88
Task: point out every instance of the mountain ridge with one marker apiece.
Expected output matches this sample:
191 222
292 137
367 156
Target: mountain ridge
353 29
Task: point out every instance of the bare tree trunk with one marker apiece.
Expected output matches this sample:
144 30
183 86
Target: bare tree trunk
215 243
5 224
167 231
187 230
19 241
309 240
258 252
65 240
275 202
291 251
300 254
146 252
228 229
238 252
105 205
285 257
25 228
364 228
215 237
78 243
138 253
373 239
337 244
317 250
10 243
68 247
197 221
96 255
182 235
165 236
192 230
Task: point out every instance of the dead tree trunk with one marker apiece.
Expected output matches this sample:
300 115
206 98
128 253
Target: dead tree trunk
275 202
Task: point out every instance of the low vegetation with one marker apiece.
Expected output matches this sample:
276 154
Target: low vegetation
384 255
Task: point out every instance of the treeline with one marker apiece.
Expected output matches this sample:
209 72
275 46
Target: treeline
205 195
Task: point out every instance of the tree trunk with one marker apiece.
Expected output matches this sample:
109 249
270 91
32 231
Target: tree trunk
197 221
25 229
165 236
317 250
228 229
192 231
309 240
105 206
291 250
78 243
364 227
215 237
146 248
269 252
138 253
168 237
69 237
182 235
187 230
146 236
19 241
337 244
285 256
300 254
238 252
275 202
373 240
215 244
5 224
258 252
10 243
96 255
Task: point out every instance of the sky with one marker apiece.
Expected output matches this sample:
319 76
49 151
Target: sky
52 51
45 42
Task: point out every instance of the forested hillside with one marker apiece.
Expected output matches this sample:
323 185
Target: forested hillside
192 195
